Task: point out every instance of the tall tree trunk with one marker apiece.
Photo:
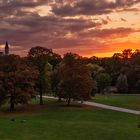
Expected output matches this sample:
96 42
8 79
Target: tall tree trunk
41 94
102 91
12 103
59 99
69 101
82 100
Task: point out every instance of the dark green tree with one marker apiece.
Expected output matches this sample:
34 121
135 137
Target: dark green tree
138 86
103 81
122 84
39 56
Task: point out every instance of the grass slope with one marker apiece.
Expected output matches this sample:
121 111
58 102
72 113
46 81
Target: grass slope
53 122
126 101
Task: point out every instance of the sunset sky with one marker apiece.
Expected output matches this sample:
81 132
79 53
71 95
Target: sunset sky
86 27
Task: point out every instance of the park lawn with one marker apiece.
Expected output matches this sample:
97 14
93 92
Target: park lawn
126 101
54 121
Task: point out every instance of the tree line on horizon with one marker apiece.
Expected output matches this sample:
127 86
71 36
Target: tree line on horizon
72 77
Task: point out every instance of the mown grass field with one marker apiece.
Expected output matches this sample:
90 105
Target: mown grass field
126 101
54 121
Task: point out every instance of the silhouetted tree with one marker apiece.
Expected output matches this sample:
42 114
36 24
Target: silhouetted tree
55 60
127 53
39 56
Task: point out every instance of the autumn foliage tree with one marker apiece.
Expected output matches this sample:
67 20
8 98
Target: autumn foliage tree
17 81
76 82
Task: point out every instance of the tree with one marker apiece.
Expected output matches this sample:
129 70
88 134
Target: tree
3 90
49 71
39 56
135 58
127 53
112 66
117 55
138 86
103 81
55 80
17 81
55 60
76 82
95 69
122 84
94 88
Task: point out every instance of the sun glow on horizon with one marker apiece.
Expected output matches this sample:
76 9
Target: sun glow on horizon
87 28
105 54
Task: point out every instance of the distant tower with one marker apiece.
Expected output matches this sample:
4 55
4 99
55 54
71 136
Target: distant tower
6 48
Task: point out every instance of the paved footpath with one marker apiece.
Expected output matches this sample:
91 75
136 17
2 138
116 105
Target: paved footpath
104 106
112 108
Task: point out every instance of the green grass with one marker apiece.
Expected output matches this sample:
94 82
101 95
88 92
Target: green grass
55 122
126 101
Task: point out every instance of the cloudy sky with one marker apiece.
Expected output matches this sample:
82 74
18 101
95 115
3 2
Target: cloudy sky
86 27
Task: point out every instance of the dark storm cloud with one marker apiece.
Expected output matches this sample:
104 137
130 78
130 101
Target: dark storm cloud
109 33
21 3
128 10
55 32
25 28
15 7
91 7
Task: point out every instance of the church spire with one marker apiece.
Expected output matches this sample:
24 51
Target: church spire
6 48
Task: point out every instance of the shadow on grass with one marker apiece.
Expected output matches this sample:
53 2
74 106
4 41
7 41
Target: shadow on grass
34 108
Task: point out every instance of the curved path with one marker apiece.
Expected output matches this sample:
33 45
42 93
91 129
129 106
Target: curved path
98 105
112 108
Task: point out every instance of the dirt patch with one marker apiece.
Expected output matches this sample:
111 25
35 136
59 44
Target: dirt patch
38 109
24 110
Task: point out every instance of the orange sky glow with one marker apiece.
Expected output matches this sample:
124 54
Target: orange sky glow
88 28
